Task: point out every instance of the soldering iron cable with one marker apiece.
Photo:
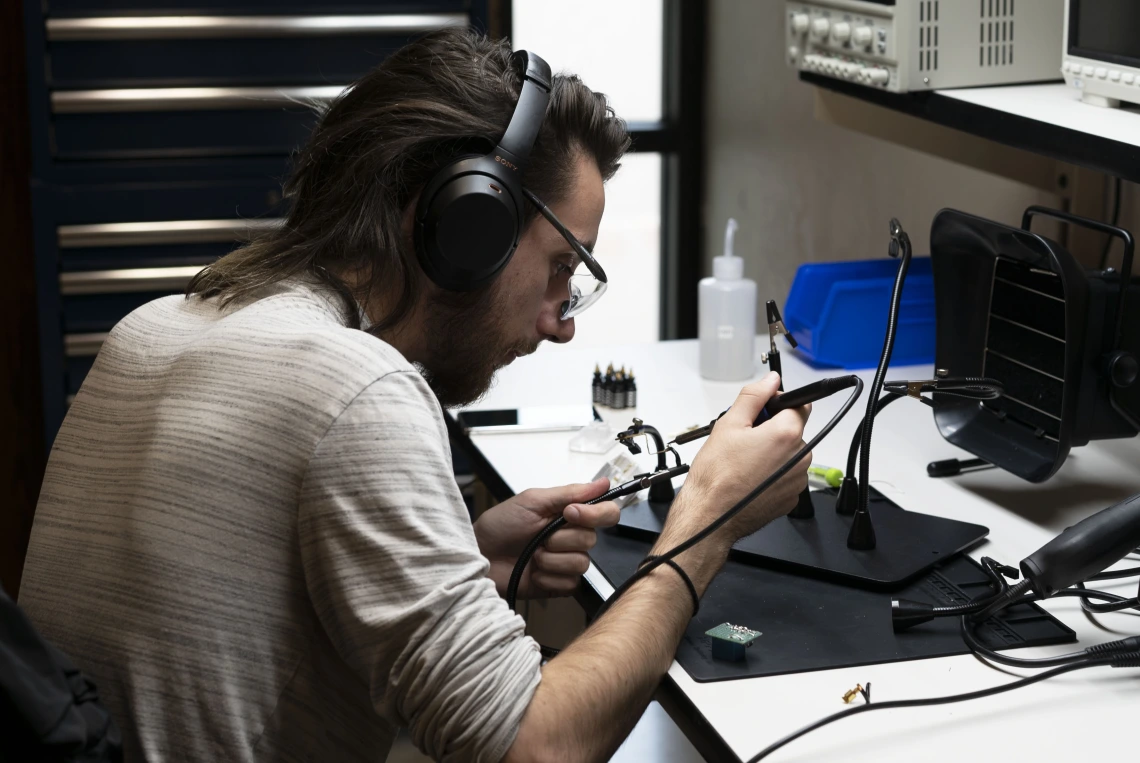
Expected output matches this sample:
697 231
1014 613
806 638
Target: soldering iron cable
628 488
1115 603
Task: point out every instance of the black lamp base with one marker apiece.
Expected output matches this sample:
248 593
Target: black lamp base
907 543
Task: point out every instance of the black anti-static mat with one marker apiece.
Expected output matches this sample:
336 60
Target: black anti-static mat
909 543
811 624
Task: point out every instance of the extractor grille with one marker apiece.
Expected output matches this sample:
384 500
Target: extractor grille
1025 345
928 35
996 33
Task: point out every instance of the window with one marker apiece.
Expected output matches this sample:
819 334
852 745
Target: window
645 56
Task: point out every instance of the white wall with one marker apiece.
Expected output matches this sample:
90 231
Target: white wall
806 191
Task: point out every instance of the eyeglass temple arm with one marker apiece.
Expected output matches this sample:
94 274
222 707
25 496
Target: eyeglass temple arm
587 258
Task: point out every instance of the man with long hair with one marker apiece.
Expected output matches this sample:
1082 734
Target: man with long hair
249 534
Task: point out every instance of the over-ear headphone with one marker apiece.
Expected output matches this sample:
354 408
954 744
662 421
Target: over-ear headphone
470 214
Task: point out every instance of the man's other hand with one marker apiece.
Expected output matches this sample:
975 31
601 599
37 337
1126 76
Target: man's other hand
557 566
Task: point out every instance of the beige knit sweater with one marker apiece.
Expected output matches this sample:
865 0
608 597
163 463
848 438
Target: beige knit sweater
249 536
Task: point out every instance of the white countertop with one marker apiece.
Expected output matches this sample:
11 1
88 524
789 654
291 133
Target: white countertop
1036 723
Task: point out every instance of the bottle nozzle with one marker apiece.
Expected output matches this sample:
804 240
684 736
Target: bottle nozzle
728 266
730 236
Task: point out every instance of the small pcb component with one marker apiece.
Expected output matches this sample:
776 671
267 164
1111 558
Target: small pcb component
729 641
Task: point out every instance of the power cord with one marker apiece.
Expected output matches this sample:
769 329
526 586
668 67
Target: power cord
1122 653
1115 219
1116 603
1129 660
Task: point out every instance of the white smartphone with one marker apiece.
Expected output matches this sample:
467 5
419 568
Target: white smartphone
539 418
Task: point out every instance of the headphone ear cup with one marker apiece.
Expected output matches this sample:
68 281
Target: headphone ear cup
467 225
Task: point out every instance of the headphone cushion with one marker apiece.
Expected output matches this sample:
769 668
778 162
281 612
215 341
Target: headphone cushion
467 232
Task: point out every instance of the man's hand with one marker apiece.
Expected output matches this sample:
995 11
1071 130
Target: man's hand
503 532
737 456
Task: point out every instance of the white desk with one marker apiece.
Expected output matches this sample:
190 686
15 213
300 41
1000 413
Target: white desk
1040 723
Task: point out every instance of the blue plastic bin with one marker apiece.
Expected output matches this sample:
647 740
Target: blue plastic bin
837 311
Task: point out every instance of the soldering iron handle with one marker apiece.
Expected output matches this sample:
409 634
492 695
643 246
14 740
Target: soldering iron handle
809 393
1088 547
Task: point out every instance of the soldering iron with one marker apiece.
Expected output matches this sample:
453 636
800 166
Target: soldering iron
805 395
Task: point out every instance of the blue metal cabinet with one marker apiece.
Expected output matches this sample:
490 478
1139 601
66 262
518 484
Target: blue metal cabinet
161 131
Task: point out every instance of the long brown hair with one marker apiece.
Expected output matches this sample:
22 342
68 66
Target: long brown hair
377 145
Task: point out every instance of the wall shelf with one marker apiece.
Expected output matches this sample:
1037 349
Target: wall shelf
1045 119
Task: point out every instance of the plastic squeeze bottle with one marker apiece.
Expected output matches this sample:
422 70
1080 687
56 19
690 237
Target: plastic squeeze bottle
727 317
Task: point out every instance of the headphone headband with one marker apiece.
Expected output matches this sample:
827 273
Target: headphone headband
530 110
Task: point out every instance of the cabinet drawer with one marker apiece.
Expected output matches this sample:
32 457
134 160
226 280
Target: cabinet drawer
203 50
111 261
97 313
202 85
157 224
181 134
141 7
75 370
226 62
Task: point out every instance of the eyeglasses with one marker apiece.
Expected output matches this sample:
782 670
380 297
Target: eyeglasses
585 288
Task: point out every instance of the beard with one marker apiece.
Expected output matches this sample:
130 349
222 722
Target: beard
466 345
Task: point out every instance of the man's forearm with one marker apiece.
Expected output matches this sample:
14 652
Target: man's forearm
592 694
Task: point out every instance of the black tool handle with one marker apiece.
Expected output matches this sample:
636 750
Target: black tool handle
1086 548
809 393
776 366
953 466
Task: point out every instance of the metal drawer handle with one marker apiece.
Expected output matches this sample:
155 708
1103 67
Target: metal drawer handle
190 98
157 233
215 27
126 280
83 345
